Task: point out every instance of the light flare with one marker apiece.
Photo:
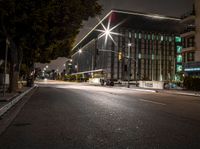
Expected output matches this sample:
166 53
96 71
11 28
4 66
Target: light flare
107 32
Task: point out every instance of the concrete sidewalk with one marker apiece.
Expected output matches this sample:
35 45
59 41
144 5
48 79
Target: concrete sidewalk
10 100
168 91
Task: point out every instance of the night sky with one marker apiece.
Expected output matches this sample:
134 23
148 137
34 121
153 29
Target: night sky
164 7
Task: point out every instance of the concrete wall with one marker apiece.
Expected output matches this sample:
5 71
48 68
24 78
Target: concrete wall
151 84
197 40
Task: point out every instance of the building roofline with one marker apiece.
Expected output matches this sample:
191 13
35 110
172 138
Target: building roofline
151 15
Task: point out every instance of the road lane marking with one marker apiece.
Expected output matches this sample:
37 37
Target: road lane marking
154 102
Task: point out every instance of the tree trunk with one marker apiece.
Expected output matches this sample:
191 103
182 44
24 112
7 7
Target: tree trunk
15 63
14 77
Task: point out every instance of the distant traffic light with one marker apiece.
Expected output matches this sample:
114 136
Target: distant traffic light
120 56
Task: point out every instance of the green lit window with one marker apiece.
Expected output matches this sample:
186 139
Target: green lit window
139 56
153 37
153 57
179 59
149 37
161 38
178 39
140 35
179 68
157 37
179 49
145 36
170 39
135 35
129 34
166 38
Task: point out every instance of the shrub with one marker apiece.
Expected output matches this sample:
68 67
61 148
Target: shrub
192 83
70 77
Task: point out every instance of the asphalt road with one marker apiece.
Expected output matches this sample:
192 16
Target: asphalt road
74 116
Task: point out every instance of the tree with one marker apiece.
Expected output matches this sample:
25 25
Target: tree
41 30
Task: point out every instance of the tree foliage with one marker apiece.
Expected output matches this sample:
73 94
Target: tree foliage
44 29
41 30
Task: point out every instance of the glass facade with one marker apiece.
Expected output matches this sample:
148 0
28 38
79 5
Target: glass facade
152 58
84 61
155 53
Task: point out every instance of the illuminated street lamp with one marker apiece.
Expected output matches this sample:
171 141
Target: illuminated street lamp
80 51
129 63
129 44
108 31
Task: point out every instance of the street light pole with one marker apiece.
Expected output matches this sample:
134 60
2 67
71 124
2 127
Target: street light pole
136 62
129 64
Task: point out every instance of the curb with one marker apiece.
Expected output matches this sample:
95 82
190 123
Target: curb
146 90
181 93
163 91
137 89
6 107
7 100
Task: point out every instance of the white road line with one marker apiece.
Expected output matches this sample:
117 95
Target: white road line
154 102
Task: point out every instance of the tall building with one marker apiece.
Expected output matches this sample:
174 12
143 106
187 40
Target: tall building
125 43
191 41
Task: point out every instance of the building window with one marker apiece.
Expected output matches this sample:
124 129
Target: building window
135 35
161 38
129 34
139 56
179 49
157 37
179 59
152 36
191 42
140 35
190 56
170 39
179 68
166 38
178 39
149 37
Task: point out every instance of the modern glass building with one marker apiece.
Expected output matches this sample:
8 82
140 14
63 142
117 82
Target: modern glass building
191 41
123 43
